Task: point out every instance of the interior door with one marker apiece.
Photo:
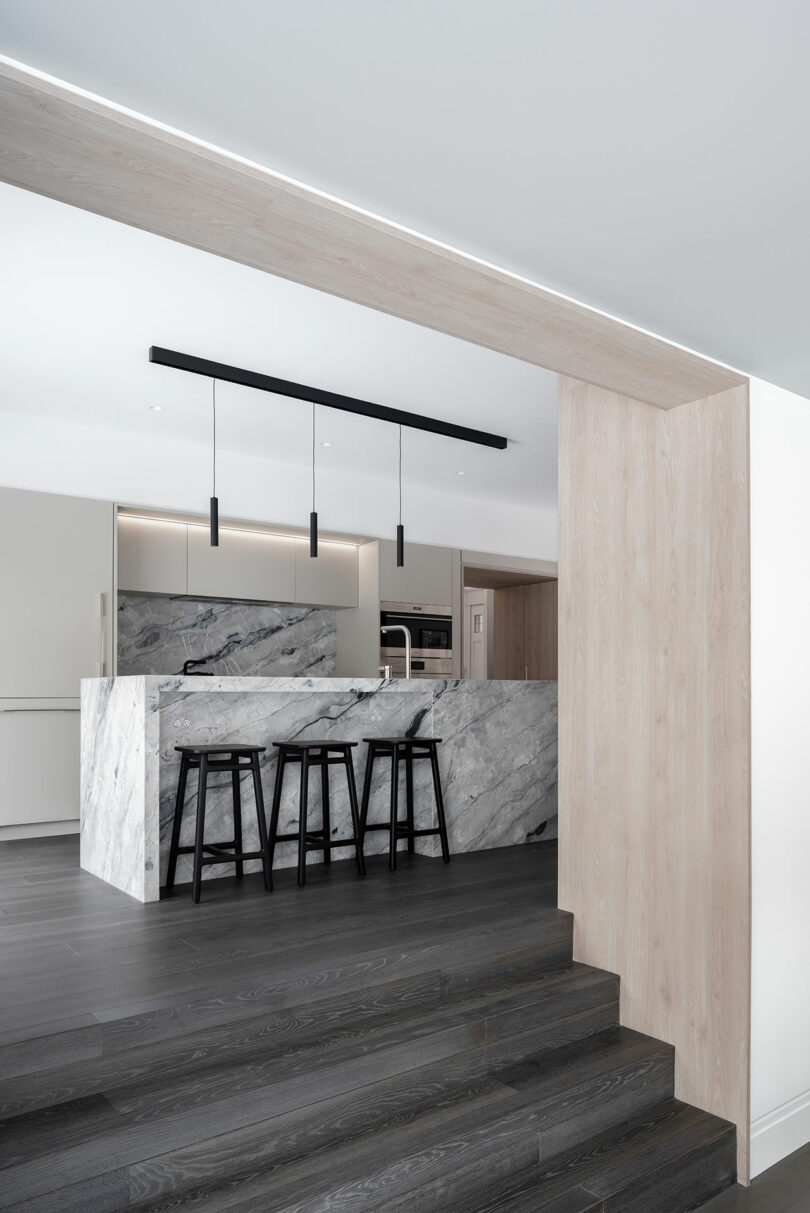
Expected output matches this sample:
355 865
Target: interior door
475 635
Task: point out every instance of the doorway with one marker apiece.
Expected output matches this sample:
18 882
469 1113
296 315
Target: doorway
516 613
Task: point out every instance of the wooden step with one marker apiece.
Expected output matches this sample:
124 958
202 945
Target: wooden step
225 1085
413 1043
448 1152
672 1159
464 960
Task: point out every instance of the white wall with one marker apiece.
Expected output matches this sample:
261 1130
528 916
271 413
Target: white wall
64 457
780 669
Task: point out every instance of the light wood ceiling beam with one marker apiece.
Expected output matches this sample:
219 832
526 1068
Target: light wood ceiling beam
79 150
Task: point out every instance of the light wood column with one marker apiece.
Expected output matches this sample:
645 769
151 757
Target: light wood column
654 712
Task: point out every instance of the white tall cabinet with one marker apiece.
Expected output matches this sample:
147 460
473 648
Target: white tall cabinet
56 619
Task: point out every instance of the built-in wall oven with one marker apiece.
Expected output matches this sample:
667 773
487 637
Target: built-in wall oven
431 632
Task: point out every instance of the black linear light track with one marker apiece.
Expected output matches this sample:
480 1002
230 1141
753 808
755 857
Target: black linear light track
315 395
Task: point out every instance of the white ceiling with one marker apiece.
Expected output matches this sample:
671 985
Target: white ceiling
84 298
647 158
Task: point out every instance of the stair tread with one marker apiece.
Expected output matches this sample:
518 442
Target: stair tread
504 1126
641 1149
518 1112
286 1038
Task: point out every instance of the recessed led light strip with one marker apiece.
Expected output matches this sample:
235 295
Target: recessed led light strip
238 530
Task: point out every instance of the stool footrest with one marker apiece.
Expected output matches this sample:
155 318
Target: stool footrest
405 832
231 857
206 847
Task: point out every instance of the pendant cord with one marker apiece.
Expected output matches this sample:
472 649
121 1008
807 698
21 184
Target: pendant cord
214 404
400 475
313 457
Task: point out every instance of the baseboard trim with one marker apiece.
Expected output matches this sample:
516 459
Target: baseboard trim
779 1133
38 829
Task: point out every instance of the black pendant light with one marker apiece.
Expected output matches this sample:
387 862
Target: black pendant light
214 501
400 527
313 518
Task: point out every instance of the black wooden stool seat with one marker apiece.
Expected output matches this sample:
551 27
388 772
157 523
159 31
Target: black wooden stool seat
207 759
407 750
323 754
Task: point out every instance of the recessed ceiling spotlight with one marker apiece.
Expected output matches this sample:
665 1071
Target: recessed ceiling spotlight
326 444
156 408
460 473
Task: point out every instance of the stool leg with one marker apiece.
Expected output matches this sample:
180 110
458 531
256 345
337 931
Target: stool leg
276 807
366 791
178 821
358 837
200 831
237 822
392 840
261 823
327 829
437 790
302 820
409 798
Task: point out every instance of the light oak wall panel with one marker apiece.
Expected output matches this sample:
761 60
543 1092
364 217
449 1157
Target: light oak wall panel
508 646
654 715
82 151
540 630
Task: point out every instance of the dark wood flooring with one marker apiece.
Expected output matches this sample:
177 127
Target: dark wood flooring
784 1188
420 1041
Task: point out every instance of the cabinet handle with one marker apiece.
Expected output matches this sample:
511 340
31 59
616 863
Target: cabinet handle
102 635
526 668
10 710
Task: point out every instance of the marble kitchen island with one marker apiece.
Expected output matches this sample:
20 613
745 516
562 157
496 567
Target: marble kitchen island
498 761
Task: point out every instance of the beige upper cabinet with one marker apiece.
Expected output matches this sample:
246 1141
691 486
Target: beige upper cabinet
56 571
427 576
247 564
161 557
152 555
330 579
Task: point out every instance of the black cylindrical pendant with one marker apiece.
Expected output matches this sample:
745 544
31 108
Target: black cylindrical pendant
214 522
400 546
313 534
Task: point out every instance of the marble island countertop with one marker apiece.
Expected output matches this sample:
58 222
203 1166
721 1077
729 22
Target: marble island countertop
498 758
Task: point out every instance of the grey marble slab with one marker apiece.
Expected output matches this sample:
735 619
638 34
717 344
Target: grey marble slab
498 758
157 634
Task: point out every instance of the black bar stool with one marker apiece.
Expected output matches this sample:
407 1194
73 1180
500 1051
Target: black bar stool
323 754
207 759
408 750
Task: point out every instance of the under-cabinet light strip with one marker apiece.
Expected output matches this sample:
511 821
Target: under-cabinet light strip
238 530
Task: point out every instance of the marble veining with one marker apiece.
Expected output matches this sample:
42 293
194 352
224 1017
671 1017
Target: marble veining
157 634
498 759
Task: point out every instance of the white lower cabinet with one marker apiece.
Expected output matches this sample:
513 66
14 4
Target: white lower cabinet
39 757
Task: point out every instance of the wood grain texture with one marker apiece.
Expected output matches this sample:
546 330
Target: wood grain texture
540 630
79 150
508 647
655 774
495 1061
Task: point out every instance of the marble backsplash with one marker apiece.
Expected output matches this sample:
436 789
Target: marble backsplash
157 634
